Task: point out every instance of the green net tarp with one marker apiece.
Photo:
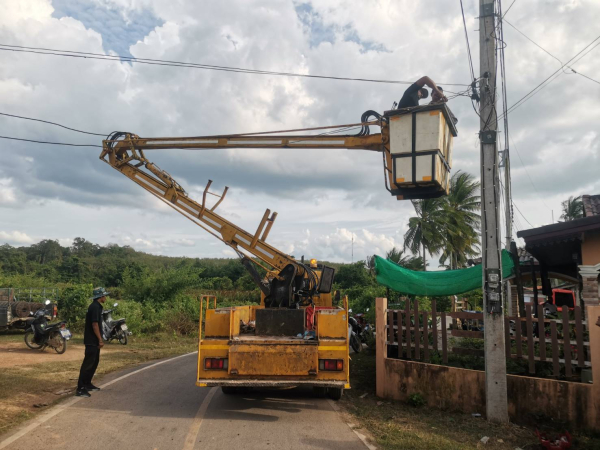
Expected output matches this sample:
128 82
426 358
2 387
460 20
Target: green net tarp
434 284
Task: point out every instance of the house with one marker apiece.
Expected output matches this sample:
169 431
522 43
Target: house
569 250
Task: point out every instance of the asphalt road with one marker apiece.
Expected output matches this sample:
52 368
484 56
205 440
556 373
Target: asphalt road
161 408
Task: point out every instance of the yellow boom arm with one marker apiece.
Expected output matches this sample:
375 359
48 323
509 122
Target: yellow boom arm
125 153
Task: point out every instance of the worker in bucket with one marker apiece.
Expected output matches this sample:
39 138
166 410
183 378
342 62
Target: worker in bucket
436 98
93 343
416 92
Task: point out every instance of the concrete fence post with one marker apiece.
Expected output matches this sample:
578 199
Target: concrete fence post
381 305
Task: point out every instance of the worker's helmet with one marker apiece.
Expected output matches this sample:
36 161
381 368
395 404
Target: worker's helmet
99 292
313 263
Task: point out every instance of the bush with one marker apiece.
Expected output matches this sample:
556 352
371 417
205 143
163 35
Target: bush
132 312
416 400
73 305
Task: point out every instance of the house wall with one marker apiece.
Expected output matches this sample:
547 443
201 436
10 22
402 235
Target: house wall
575 404
590 248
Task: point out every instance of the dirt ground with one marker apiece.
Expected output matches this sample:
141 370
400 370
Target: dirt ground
18 354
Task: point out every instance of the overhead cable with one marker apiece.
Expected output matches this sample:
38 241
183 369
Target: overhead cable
51 143
160 62
52 123
552 77
546 51
467 39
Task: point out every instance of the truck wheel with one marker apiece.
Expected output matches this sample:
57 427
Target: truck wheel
29 342
319 391
335 393
229 390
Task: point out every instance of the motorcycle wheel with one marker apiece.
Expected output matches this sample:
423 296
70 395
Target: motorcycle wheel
122 337
355 343
29 342
59 343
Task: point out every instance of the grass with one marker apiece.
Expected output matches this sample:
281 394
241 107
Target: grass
397 425
21 387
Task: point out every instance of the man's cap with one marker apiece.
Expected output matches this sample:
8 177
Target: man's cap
99 292
424 93
441 88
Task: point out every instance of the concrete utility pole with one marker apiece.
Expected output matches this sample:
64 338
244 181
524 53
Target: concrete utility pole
493 317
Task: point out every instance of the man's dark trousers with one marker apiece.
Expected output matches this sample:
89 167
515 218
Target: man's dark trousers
89 366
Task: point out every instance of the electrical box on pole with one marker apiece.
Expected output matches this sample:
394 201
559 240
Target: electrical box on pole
493 316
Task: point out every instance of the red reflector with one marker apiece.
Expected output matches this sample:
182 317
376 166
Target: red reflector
331 364
215 363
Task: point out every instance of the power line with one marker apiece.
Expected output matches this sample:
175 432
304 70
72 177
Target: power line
511 5
53 123
551 78
161 62
546 51
467 39
51 143
517 208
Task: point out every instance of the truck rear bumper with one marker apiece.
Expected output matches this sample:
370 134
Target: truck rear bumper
273 383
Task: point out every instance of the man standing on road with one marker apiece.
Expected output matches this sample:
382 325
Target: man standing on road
93 343
416 92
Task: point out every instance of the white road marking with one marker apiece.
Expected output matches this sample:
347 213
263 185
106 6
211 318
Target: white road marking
61 407
361 436
192 436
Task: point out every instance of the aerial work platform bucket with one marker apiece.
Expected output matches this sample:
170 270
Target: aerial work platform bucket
420 151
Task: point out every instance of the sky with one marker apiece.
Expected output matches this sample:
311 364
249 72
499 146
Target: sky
332 204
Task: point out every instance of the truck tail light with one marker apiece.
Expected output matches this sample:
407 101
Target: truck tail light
335 365
216 363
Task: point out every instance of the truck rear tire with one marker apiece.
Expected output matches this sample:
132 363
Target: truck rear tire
335 393
229 390
319 391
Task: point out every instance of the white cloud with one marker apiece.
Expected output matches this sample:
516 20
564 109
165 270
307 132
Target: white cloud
15 237
331 193
7 192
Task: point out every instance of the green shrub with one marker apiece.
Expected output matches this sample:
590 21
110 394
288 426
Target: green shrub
73 304
131 311
416 400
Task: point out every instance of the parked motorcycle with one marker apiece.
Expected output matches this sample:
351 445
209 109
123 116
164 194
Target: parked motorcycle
366 332
355 331
41 334
114 329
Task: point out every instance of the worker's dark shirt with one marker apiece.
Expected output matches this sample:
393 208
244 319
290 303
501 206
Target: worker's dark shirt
410 97
94 314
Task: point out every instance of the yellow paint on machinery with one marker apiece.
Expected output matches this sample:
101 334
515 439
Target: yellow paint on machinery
273 360
416 145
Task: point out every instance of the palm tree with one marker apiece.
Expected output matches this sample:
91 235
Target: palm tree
399 257
425 232
572 209
461 221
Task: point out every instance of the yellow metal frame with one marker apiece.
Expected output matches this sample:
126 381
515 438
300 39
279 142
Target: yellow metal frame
268 361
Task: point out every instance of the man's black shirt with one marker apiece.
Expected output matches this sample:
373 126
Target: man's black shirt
94 314
410 97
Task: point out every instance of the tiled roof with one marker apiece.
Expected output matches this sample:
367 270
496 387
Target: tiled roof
591 205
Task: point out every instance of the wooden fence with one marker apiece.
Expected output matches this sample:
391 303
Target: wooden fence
419 335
